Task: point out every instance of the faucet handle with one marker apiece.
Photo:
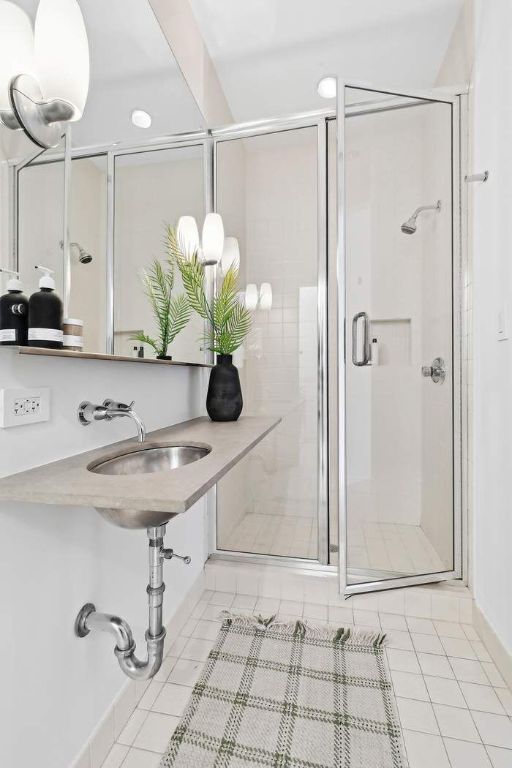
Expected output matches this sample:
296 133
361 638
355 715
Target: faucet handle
114 405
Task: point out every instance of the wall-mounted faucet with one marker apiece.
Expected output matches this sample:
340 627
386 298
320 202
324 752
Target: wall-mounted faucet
88 412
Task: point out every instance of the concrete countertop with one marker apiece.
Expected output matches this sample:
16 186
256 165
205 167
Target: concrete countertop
69 482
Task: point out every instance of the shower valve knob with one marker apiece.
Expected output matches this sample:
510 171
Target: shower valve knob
168 554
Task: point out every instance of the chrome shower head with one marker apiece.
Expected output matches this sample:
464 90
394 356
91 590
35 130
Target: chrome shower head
83 256
411 225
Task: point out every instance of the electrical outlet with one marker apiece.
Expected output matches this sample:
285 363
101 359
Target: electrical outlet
24 406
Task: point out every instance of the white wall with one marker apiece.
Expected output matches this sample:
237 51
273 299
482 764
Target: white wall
492 233
55 687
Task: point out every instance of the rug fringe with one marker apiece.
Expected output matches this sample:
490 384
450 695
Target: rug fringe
303 628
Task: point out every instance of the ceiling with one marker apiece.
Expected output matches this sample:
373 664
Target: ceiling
132 67
270 54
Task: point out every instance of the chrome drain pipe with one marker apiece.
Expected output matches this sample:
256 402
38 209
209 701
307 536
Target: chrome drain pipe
88 617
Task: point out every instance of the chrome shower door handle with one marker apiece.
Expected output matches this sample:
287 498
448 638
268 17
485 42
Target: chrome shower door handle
365 360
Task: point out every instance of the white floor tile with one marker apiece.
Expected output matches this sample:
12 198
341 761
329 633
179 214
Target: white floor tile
409 686
469 671
116 756
139 758
460 649
464 754
212 613
197 650
482 698
417 716
244 603
494 729
165 670
493 675
222 599
480 651
435 666
450 629
500 758
366 618
267 606
425 751
456 723
132 727
315 612
156 731
505 697
427 644
177 646
443 691
149 697
199 609
172 699
422 626
403 661
188 628
393 621
340 616
185 672
206 630
396 638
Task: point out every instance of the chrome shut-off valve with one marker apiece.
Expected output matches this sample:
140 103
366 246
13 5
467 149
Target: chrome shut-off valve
168 554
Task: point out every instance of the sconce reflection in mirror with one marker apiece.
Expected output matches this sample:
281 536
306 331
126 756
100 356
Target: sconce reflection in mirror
258 299
44 73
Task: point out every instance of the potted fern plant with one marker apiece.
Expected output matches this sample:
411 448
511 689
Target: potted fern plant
171 313
227 321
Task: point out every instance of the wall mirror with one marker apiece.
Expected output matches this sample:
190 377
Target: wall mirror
94 207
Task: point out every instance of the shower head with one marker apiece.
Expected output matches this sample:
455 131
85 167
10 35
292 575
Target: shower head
83 256
410 226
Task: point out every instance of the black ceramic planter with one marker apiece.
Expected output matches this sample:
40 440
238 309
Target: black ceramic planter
164 357
224 399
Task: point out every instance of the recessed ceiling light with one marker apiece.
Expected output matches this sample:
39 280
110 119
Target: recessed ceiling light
141 119
327 87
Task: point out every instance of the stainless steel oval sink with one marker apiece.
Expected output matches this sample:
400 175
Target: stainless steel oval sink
144 460
149 459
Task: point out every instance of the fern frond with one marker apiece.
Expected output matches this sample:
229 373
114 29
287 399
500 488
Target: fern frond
145 339
179 315
192 276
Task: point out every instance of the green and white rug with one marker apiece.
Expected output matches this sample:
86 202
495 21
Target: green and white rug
289 696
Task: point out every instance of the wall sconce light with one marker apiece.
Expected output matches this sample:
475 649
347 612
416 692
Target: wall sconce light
211 248
266 296
230 254
258 299
187 235
251 297
213 239
49 86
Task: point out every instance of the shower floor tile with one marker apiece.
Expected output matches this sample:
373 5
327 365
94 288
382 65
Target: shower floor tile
433 698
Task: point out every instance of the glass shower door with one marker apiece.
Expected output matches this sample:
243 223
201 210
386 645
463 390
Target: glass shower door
398 499
268 192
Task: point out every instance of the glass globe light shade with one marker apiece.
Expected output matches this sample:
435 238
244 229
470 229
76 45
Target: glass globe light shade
61 53
16 47
213 238
230 254
188 236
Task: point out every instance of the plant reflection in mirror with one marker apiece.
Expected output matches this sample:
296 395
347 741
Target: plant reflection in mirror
228 320
171 313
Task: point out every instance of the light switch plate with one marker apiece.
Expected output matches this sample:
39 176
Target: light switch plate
24 406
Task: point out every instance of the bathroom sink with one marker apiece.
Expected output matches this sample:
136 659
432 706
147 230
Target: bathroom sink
143 460
150 458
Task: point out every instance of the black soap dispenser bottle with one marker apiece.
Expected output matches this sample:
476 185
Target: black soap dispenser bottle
13 312
45 314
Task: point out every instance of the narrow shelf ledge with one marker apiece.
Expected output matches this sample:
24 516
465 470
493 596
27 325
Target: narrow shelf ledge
41 351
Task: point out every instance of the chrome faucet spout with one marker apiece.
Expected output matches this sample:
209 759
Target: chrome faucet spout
88 412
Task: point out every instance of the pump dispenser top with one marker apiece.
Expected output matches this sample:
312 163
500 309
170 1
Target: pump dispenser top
46 281
14 282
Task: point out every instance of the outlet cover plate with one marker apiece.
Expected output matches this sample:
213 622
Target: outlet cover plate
24 406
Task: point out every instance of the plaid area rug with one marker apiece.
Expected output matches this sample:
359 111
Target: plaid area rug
289 696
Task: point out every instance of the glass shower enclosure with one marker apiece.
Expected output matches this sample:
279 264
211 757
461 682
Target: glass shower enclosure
353 217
